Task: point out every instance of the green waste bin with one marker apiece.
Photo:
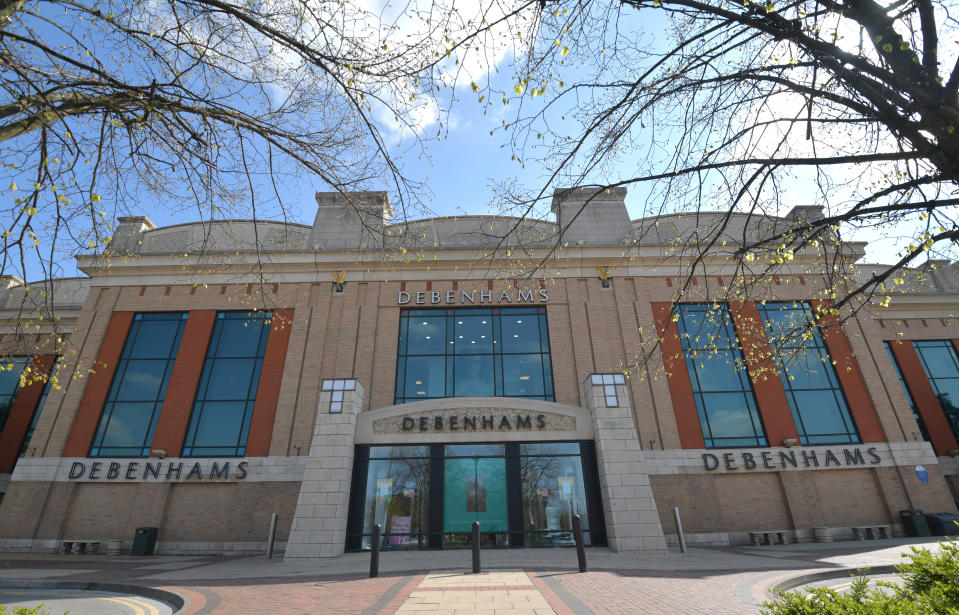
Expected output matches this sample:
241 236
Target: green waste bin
145 540
914 523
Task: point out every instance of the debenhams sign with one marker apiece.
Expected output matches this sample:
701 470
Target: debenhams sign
798 459
466 297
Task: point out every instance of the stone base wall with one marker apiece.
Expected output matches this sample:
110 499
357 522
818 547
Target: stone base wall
163 547
227 518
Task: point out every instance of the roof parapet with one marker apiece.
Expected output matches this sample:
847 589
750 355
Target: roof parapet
127 236
591 215
806 213
349 221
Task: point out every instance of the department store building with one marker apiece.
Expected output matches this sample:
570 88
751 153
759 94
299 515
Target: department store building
356 373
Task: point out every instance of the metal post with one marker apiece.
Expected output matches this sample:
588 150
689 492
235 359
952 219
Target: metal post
271 539
375 552
580 544
476 547
679 529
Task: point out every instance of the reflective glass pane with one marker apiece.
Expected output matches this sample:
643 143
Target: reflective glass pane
129 424
815 398
553 491
156 338
473 376
139 385
475 490
808 369
427 335
821 412
523 375
729 415
938 359
228 379
220 423
9 384
550 448
397 497
470 450
399 451
520 333
470 359
217 426
473 334
141 380
717 371
239 336
705 326
425 377
947 390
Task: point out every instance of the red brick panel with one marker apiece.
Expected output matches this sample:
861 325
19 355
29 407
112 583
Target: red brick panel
181 392
924 397
268 392
22 412
677 375
850 377
98 385
767 385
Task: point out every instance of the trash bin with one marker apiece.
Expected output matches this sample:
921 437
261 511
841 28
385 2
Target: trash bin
914 523
145 540
943 524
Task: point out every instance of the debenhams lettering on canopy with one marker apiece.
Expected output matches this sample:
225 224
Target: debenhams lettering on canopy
474 423
464 297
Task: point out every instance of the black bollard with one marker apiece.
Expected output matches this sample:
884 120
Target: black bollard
580 547
375 552
476 545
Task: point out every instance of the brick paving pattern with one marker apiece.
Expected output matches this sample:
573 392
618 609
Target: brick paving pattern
713 581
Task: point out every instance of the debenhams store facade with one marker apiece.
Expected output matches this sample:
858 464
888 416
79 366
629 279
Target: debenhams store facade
423 390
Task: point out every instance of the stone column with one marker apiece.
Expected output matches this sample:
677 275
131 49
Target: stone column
319 524
632 522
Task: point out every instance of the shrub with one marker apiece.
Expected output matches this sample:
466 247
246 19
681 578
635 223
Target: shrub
22 610
930 584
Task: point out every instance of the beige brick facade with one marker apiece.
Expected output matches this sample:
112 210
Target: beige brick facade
644 468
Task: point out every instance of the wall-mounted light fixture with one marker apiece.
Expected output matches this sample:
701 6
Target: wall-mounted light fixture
790 442
604 276
339 281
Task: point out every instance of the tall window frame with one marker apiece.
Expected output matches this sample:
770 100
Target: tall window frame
941 364
905 389
219 423
725 400
132 408
12 369
35 419
818 404
469 352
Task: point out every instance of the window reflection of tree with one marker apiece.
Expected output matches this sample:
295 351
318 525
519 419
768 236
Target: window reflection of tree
535 473
5 407
951 411
403 500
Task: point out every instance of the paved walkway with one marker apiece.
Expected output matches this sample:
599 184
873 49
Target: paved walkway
714 581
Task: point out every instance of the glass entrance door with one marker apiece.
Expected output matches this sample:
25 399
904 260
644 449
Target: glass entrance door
474 489
428 496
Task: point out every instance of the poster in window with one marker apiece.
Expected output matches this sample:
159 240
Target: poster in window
476 494
384 487
400 525
566 487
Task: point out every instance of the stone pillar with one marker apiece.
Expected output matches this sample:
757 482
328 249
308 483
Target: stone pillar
632 522
319 524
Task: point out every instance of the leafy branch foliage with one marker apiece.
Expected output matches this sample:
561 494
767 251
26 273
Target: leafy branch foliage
930 584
